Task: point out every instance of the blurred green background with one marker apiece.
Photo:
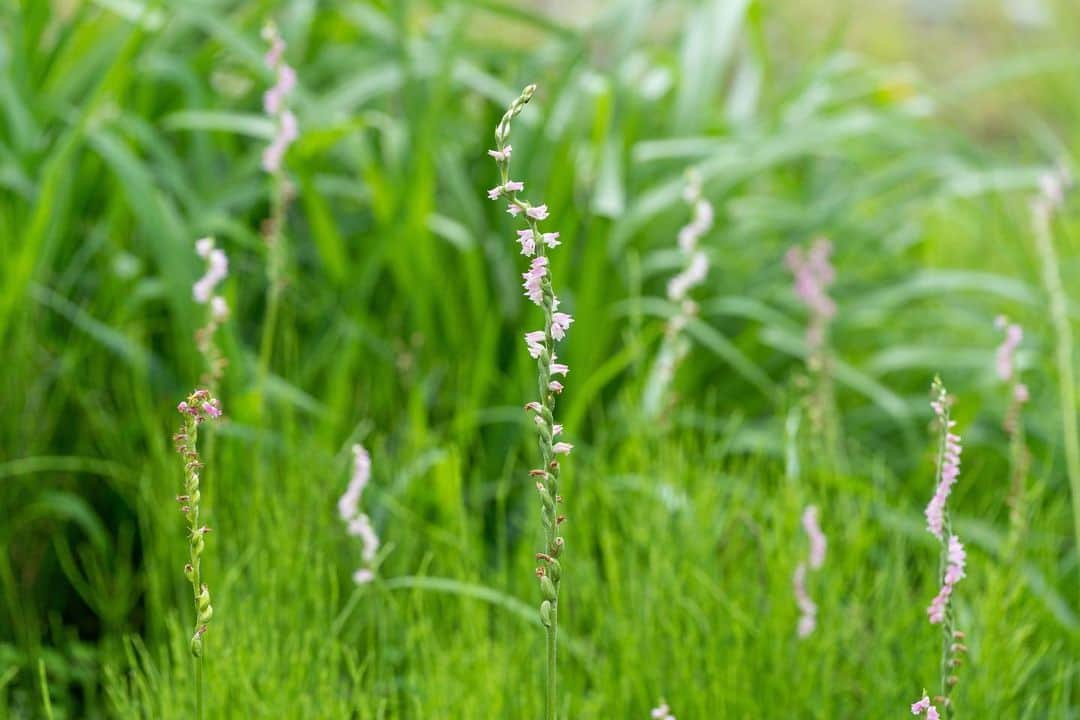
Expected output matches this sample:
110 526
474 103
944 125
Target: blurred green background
911 133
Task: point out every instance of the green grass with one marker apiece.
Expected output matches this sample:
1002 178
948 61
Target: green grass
122 139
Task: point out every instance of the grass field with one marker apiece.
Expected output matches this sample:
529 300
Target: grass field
383 307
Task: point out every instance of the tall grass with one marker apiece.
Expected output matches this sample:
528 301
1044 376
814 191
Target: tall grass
127 129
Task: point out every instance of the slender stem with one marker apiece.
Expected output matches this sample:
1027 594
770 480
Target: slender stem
552 652
198 689
1044 244
274 239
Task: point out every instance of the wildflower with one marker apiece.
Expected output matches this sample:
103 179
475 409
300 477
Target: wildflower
924 706
538 270
692 276
953 556
807 608
1006 352
358 524
275 102
528 242
217 268
560 323
539 290
817 538
199 407
535 342
662 712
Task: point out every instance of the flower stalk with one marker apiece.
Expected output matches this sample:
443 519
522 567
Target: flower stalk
217 268
200 406
286 131
1049 200
1013 424
952 557
535 244
695 268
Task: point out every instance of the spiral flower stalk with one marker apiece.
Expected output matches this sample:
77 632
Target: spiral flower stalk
217 268
535 244
953 556
199 407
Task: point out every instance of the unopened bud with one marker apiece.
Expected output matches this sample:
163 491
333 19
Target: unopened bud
547 588
545 613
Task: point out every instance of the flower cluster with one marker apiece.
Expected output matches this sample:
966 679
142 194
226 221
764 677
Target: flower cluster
662 712
924 706
694 271
535 244
358 523
949 465
816 558
813 275
696 266
217 268
199 407
275 101
954 573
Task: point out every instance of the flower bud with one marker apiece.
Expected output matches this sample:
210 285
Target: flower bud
196 644
547 588
545 613
189 572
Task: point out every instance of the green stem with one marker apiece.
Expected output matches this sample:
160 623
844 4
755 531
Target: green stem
274 240
198 689
552 652
1063 331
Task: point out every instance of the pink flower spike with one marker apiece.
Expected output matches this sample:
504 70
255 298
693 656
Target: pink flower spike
538 212
562 448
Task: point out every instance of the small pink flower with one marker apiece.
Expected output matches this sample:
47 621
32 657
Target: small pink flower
921 706
556 429
211 410
513 209
500 155
817 538
533 407
363 576
551 239
219 309
495 192
562 448
534 341
558 368
528 242
555 386
513 186
538 269
560 323
538 212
